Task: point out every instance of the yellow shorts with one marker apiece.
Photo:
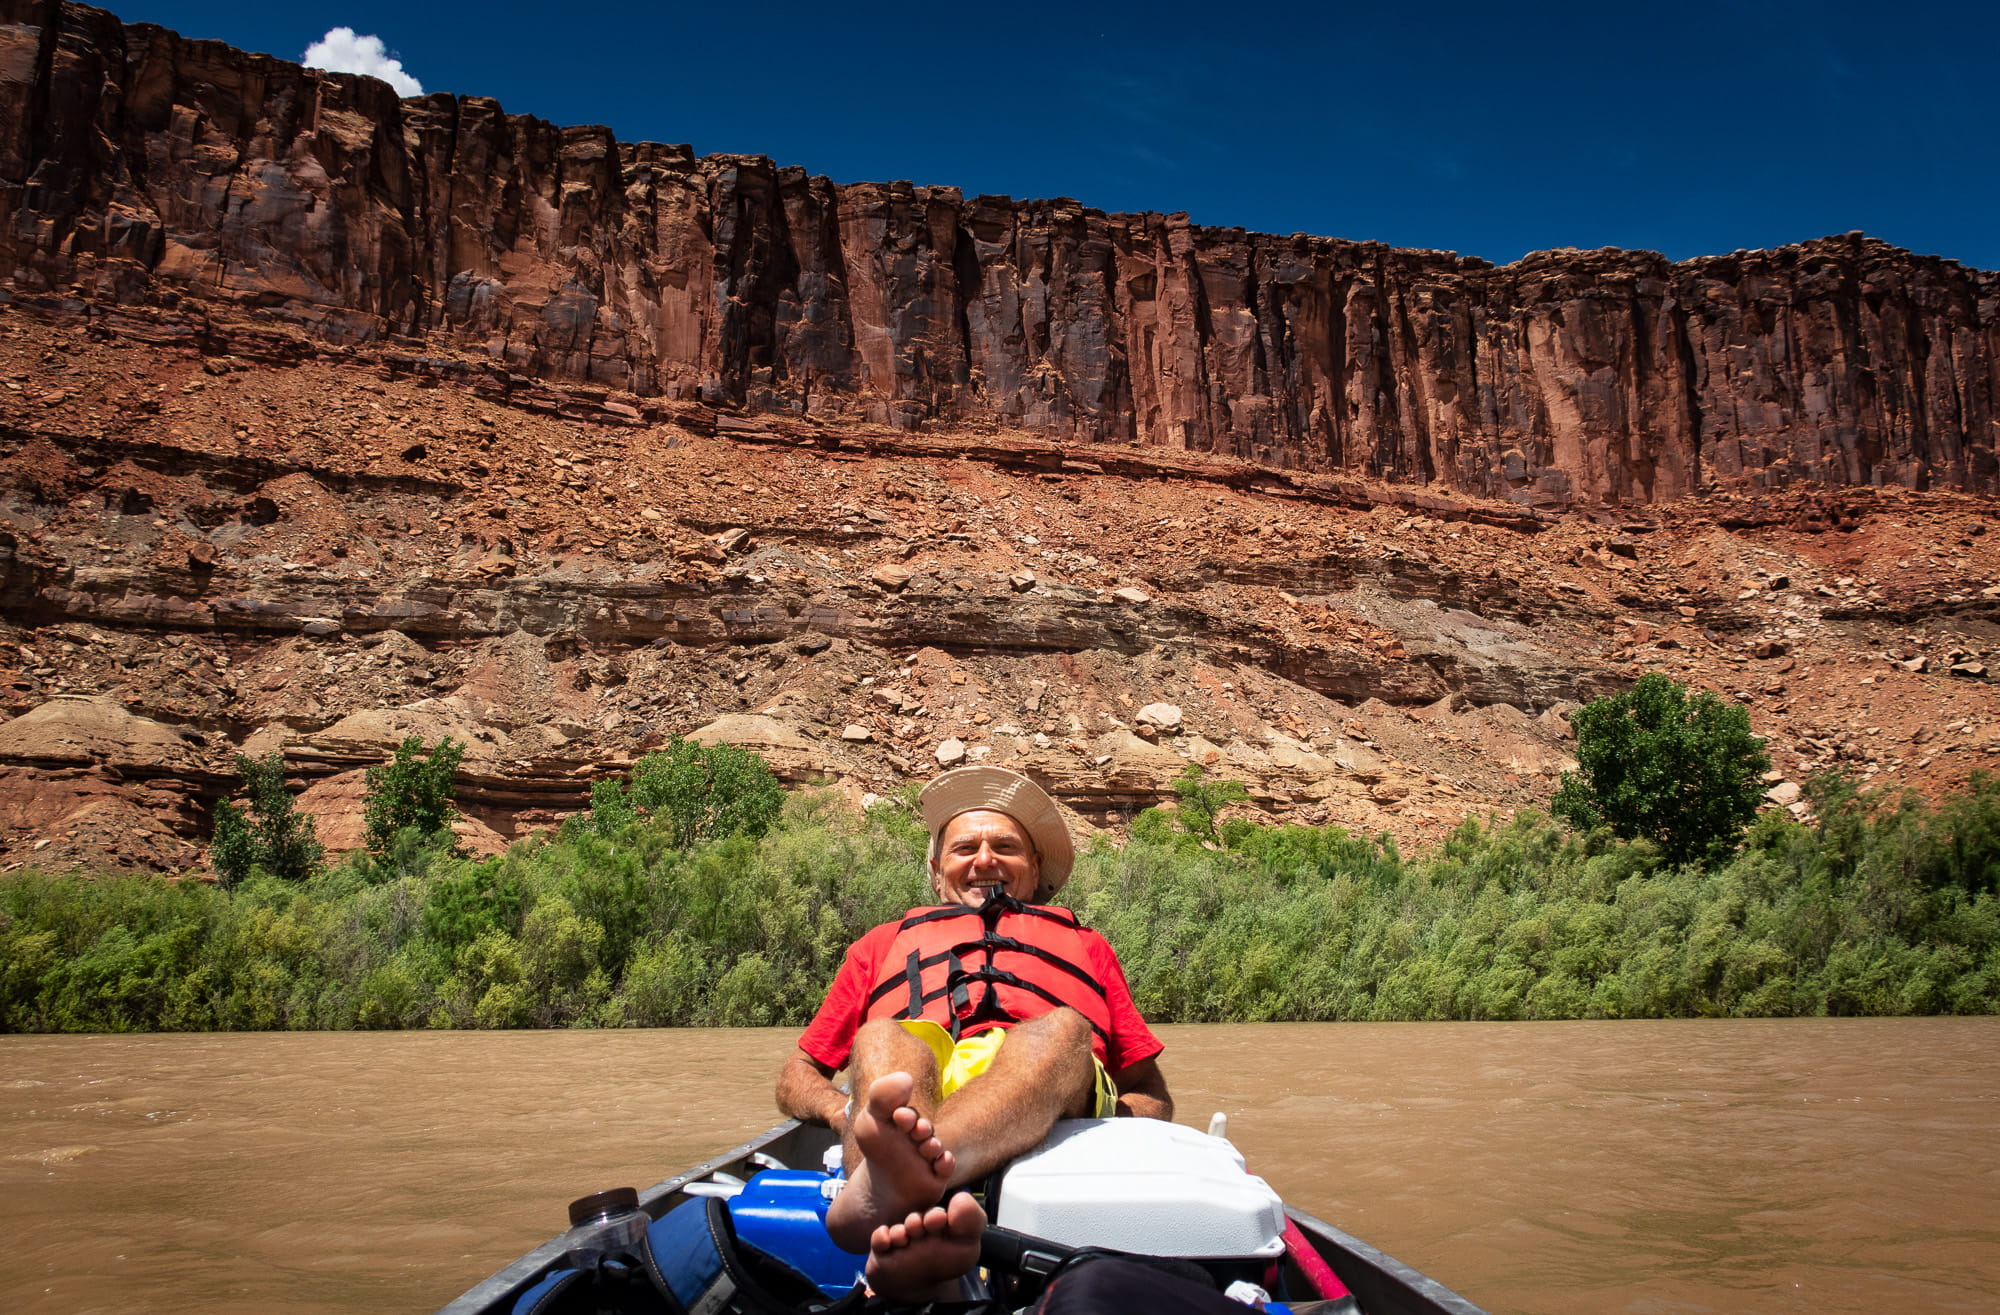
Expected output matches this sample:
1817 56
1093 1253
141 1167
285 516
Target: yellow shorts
960 1063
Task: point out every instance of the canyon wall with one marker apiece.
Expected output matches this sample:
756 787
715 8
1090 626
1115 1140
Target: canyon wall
140 171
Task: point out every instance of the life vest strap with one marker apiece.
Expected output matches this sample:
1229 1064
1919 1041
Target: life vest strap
998 904
1048 957
913 974
914 986
916 962
990 977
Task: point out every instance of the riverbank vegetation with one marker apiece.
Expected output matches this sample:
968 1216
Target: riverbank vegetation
658 908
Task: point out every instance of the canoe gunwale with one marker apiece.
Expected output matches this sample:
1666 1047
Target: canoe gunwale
531 1268
1378 1280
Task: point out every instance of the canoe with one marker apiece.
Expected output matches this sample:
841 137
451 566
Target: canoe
1381 1284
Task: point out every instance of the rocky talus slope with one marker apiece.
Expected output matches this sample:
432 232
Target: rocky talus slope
327 418
208 551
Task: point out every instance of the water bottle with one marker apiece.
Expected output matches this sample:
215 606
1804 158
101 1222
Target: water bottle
605 1228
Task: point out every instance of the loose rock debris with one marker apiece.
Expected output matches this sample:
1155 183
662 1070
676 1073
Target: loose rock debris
324 557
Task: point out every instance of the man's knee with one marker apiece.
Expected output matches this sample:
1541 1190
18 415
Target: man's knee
1062 1026
1058 1043
884 1043
1062 1050
884 1032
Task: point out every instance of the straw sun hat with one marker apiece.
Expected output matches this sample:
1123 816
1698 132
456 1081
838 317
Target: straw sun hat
1002 791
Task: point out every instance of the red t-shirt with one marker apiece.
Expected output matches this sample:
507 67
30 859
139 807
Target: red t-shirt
829 1038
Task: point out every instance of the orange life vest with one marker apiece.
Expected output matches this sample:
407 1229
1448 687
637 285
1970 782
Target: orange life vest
968 969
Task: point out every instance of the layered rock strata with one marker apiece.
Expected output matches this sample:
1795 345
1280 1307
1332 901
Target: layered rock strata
319 552
327 419
142 170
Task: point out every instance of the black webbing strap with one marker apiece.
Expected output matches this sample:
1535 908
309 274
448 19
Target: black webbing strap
1049 957
989 1010
932 915
915 964
954 976
913 968
998 902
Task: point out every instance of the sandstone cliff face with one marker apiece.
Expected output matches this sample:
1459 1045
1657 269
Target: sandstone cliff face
139 169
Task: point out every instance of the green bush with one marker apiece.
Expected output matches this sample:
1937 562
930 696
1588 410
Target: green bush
1660 763
708 792
467 903
611 812
1202 801
1881 905
413 790
274 836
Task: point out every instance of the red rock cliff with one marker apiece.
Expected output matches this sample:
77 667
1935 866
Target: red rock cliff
139 168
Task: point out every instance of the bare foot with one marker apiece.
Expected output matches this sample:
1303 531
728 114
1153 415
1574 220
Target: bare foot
911 1261
903 1165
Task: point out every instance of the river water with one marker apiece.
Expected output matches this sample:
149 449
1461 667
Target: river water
1647 1167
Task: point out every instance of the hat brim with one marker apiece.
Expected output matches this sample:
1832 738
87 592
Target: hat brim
965 789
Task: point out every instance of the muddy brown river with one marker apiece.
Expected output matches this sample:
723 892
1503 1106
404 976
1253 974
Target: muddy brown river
1657 1168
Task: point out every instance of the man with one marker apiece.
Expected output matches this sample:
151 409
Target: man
968 1029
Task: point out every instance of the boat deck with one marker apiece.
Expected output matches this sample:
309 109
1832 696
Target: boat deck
1381 1284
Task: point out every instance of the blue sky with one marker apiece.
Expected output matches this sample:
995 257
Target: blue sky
1493 130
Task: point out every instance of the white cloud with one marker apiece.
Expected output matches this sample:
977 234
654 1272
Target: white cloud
342 51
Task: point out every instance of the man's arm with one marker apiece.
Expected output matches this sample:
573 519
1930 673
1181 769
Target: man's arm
1142 1088
1142 1091
806 1092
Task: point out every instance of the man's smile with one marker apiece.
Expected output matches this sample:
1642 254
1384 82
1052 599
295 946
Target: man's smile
981 851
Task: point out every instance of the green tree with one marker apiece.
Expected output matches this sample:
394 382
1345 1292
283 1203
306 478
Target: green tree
707 791
1202 801
413 789
1677 767
233 852
272 836
610 811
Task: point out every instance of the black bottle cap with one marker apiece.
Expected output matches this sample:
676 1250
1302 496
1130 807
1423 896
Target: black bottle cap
599 1204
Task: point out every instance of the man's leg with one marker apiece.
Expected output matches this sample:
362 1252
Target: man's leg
895 1163
1042 1073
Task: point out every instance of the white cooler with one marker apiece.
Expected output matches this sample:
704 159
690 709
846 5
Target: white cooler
1146 1187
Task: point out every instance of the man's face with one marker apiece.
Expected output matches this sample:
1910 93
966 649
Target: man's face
981 849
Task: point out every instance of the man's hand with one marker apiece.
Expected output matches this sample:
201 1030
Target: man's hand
1142 1091
806 1092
